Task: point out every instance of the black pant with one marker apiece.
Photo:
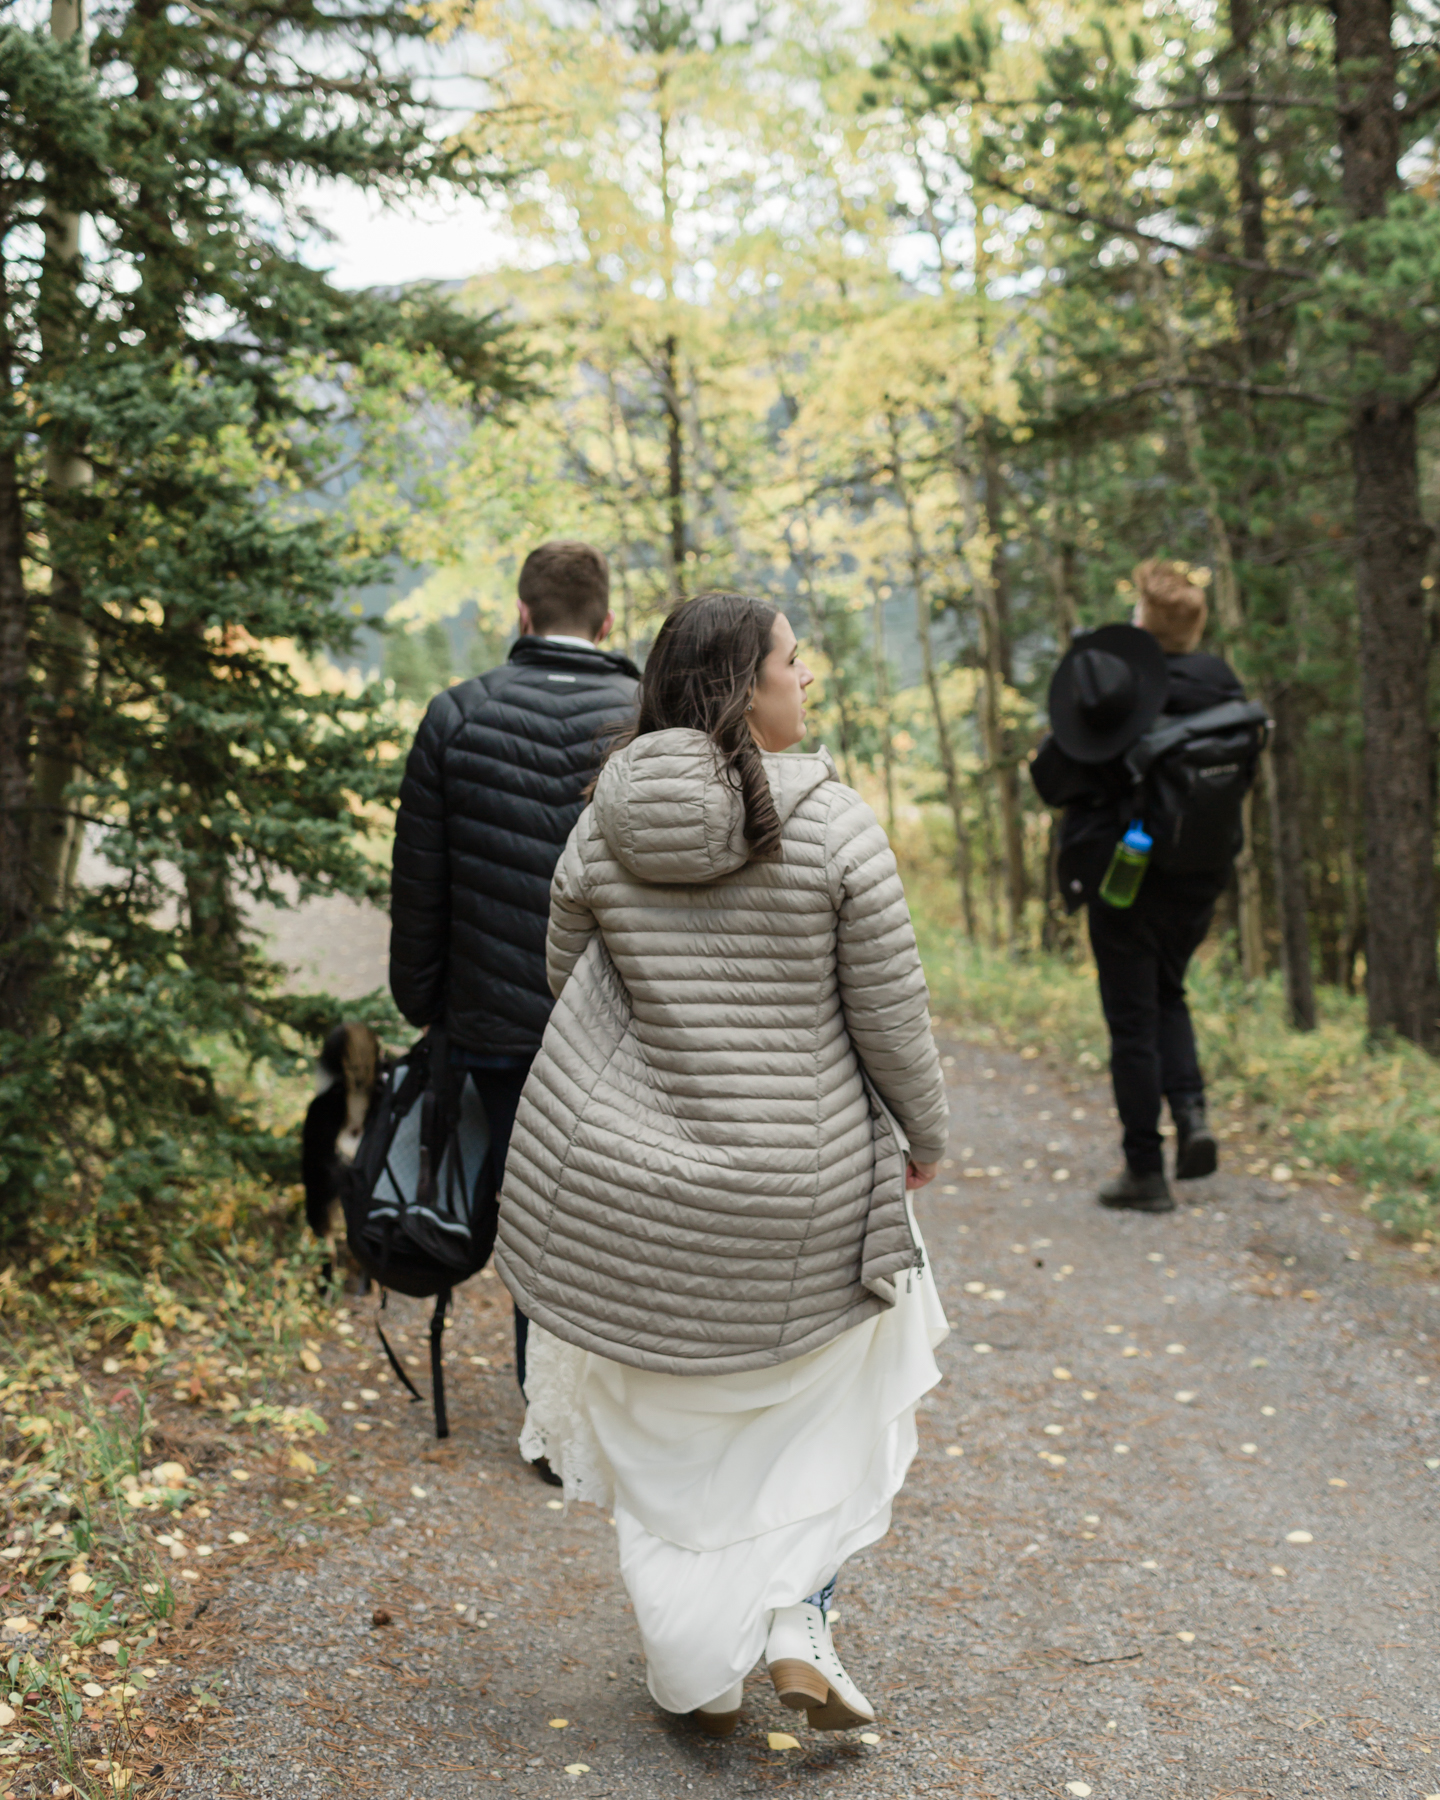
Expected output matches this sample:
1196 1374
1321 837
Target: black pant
499 1091
1141 954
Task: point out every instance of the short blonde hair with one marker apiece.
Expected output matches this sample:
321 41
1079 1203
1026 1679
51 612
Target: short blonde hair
1170 606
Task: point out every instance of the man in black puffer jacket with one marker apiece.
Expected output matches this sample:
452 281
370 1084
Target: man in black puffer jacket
493 785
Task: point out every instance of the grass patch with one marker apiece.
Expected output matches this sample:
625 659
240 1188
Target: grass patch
117 1395
1328 1100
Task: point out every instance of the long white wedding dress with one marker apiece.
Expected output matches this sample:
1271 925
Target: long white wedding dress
733 1495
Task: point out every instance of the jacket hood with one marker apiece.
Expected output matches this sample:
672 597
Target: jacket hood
669 814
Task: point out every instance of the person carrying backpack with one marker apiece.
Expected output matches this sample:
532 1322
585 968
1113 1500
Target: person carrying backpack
493 785
1153 748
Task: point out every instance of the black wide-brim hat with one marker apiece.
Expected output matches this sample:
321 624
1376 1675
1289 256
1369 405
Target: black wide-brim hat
1107 692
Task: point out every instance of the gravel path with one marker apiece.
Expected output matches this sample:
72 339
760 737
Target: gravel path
1171 1531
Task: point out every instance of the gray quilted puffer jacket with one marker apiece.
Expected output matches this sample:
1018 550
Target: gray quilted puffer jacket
707 1168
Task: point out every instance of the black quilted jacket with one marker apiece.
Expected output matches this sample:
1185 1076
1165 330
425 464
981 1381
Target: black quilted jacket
492 787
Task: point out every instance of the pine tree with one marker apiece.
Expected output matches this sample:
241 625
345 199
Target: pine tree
168 588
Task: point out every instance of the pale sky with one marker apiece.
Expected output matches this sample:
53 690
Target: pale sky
375 247
431 240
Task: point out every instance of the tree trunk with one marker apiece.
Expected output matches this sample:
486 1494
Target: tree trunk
834 654
943 743
1285 798
675 466
882 707
1353 938
15 872
1059 546
999 674
69 650
1250 919
833 649
979 552
1263 333
1284 790
210 902
1402 983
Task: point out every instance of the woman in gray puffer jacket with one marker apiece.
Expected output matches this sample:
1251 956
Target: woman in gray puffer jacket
705 1210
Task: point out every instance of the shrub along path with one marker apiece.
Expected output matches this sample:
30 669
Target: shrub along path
1173 1530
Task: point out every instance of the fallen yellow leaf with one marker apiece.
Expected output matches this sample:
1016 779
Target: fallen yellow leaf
782 1740
558 1724
309 1360
305 1463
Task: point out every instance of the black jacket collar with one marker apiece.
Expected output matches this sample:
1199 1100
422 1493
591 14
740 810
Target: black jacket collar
548 654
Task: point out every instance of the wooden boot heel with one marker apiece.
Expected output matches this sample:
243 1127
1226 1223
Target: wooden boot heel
799 1685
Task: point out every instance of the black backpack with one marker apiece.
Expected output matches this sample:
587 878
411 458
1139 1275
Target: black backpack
420 1200
1191 776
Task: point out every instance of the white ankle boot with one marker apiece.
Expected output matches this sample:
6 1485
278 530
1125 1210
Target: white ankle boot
722 1714
809 1675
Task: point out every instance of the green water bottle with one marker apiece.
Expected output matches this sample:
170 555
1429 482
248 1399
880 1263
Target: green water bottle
1127 867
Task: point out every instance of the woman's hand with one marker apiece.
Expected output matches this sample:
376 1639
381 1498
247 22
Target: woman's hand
918 1173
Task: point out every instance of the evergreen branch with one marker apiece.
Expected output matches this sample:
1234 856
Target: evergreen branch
1082 215
1161 383
1282 304
1203 103
256 38
1428 392
1421 104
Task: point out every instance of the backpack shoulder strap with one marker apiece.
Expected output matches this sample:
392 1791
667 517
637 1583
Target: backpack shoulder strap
437 1360
437 1363
1231 715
